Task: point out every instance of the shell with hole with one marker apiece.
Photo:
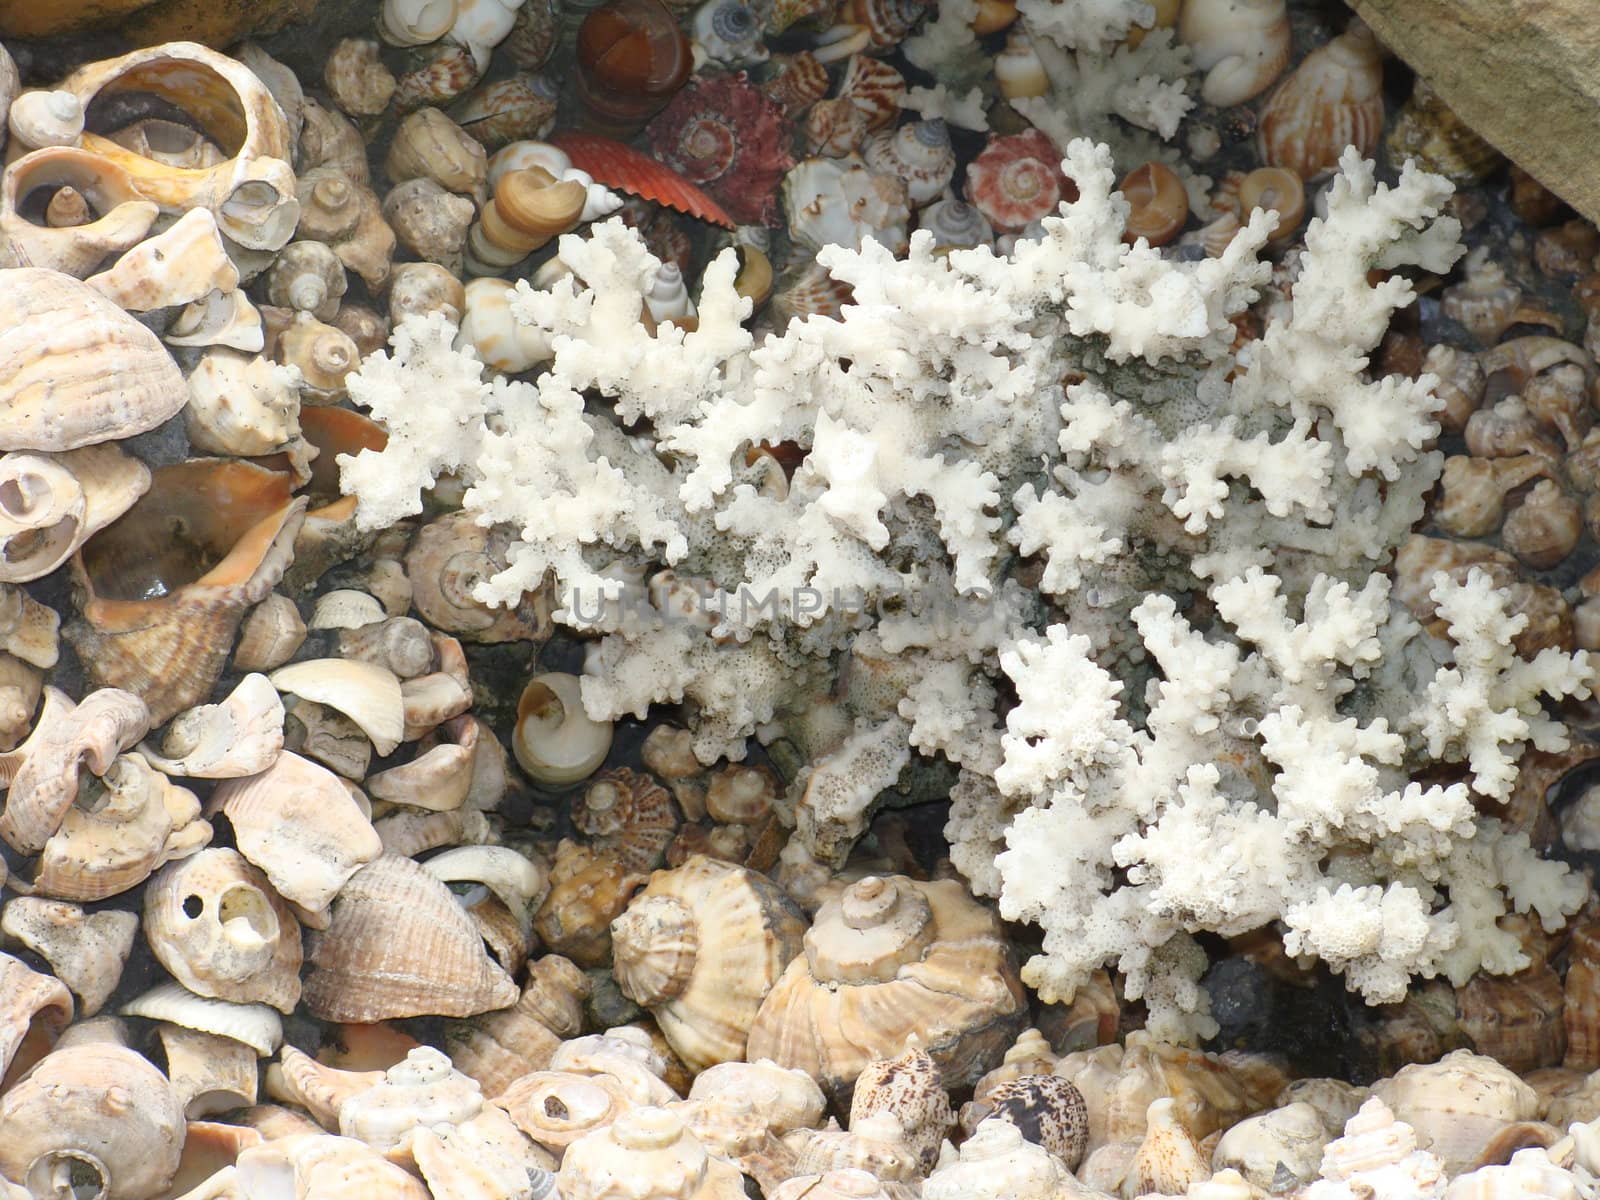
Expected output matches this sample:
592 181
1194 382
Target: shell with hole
95 1117
165 587
885 958
50 504
299 824
251 193
70 176
701 947
400 945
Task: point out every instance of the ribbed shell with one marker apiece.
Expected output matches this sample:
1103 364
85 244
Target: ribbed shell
1333 99
400 946
74 368
626 169
961 996
704 989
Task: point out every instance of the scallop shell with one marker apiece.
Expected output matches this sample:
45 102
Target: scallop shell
399 945
208 540
97 1113
887 958
1333 99
700 947
78 369
626 169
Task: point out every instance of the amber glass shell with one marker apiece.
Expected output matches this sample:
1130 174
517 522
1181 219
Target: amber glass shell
632 57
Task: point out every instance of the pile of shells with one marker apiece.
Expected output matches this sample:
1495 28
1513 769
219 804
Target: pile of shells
320 883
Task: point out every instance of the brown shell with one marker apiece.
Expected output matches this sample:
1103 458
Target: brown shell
588 890
77 369
1515 1019
628 170
888 958
1333 99
1581 1010
400 946
446 560
910 1087
497 1048
629 816
1048 1109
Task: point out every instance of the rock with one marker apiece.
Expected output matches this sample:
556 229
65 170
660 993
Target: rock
1522 75
217 23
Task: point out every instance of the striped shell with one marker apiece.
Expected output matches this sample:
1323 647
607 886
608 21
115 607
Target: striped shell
508 110
1333 99
626 169
448 72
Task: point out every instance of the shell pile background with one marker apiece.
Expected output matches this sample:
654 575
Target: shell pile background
318 880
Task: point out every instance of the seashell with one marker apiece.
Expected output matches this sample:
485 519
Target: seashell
876 1143
216 924
348 609
369 695
556 1108
451 554
38 119
848 1183
1158 204
43 772
728 34
307 277
555 741
499 1047
704 990
1278 190
256 1025
1267 1148
298 823
20 686
177 266
874 87
1333 99
724 133
317 1087
516 881
663 1161
1030 1054
208 1074
618 166
1565 252
1508 430
834 128
329 737
446 72
800 80
1485 301
1559 400
1168 1159
1431 134
209 1151
167 585
411 833
422 1091
50 504
1017 179
481 25
1545 527
884 23
86 951
251 194
37 1008
628 816
67 209
955 224
348 217
994 1162
270 635
786 1099
74 247
329 139
588 890
399 945
516 108
1241 45
908 1087
320 1165
843 202
241 736
241 404
1472 491
364 326
28 629
533 36
218 319
918 153
1018 71
485 1156
1457 1104
356 79
415 22
172 143
97 1119
429 145
60 390
444 693
430 222
528 209
853 996
632 57
1515 1019
1048 1110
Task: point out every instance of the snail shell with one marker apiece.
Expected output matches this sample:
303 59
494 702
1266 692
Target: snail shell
1333 99
1242 45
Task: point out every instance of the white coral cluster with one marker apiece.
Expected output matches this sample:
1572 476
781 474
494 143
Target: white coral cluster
1204 653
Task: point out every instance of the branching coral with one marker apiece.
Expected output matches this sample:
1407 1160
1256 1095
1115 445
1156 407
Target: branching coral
1205 651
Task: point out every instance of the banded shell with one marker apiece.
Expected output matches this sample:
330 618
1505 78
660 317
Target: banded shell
1333 99
701 947
919 153
1429 132
516 108
1017 179
78 370
448 72
399 945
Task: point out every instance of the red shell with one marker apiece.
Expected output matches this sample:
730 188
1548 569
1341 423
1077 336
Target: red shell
624 168
723 132
1017 179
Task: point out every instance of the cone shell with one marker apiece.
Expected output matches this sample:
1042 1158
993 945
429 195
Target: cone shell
99 1110
701 946
1333 99
208 540
887 958
78 370
399 945
626 169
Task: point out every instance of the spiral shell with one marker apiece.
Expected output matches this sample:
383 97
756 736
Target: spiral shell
415 22
1242 45
522 106
1429 132
874 87
799 83
919 153
448 71
1333 99
1017 179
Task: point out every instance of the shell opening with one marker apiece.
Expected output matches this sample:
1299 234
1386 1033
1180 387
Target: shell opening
245 915
22 494
194 93
68 1175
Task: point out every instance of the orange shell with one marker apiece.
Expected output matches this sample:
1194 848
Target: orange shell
624 168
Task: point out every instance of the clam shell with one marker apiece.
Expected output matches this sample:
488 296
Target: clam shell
399 945
298 823
626 169
77 369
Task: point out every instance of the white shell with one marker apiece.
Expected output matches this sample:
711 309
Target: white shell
45 119
242 404
1242 45
369 695
556 741
241 736
346 608
86 951
503 343
415 22
50 504
256 1025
